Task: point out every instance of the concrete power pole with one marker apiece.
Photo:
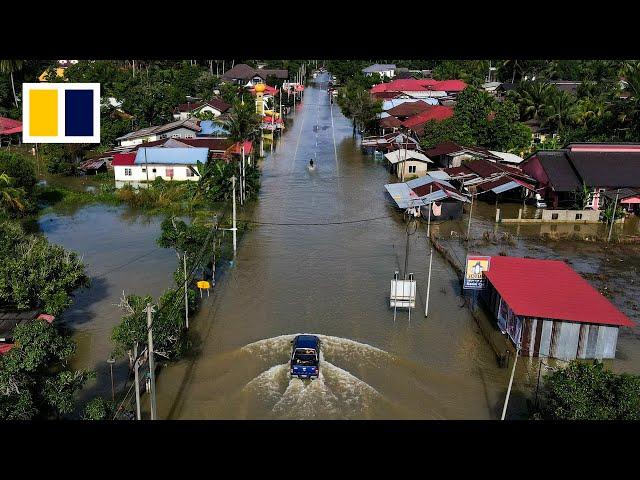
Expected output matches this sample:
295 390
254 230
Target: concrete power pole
613 216
426 308
186 293
136 366
506 400
233 182
152 363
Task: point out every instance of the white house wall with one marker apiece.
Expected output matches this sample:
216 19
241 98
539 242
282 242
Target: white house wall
138 175
421 169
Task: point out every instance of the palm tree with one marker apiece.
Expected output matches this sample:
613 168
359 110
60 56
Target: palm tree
560 108
10 197
243 123
532 98
10 66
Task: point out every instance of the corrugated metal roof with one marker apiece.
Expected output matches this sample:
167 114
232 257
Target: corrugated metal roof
404 154
551 289
171 156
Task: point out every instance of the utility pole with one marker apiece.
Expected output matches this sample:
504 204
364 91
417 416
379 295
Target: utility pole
513 371
186 292
243 187
613 216
136 376
469 225
233 181
426 308
152 363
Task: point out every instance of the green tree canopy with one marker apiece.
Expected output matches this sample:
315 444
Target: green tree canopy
587 391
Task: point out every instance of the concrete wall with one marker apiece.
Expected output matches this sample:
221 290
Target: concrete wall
570 216
139 175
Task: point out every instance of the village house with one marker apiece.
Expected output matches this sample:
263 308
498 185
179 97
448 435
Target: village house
217 146
427 192
10 131
149 163
215 107
389 142
243 74
450 154
414 125
548 310
418 88
406 164
600 167
384 70
626 198
177 129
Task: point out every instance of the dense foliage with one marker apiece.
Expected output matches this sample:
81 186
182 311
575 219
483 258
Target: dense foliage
36 274
17 181
35 381
587 391
479 119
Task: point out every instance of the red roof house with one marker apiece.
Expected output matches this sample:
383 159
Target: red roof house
123 159
549 310
417 122
9 126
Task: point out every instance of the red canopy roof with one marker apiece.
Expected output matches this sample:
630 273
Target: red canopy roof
123 159
5 347
551 289
423 85
435 112
9 126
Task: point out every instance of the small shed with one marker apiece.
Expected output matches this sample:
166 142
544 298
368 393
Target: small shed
548 310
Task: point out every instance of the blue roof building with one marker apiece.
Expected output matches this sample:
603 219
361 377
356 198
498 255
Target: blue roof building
171 156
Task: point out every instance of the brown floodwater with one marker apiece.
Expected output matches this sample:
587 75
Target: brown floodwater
331 280
118 247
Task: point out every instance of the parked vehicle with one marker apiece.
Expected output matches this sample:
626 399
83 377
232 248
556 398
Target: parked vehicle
305 356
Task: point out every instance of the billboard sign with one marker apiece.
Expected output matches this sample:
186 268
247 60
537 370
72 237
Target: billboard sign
475 266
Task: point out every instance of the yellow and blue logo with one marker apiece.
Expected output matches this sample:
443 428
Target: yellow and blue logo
61 113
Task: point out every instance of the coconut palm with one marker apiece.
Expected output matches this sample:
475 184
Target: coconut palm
10 66
10 197
243 123
559 109
532 98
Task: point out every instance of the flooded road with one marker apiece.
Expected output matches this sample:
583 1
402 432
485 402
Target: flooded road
300 268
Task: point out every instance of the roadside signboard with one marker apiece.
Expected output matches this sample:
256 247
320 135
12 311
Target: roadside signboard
475 266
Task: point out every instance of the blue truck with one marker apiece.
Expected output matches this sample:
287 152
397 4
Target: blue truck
305 356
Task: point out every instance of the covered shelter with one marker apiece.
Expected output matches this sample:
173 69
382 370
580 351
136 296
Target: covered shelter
548 310
424 193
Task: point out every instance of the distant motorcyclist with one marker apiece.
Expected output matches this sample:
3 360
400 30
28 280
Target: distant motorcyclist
311 163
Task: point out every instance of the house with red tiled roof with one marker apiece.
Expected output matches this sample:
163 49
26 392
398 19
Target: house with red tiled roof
416 123
10 129
419 88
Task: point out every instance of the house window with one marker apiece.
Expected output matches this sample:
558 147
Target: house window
554 216
412 169
153 170
127 172
144 169
189 172
578 216
169 172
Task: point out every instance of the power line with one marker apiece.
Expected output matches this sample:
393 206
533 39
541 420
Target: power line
302 224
